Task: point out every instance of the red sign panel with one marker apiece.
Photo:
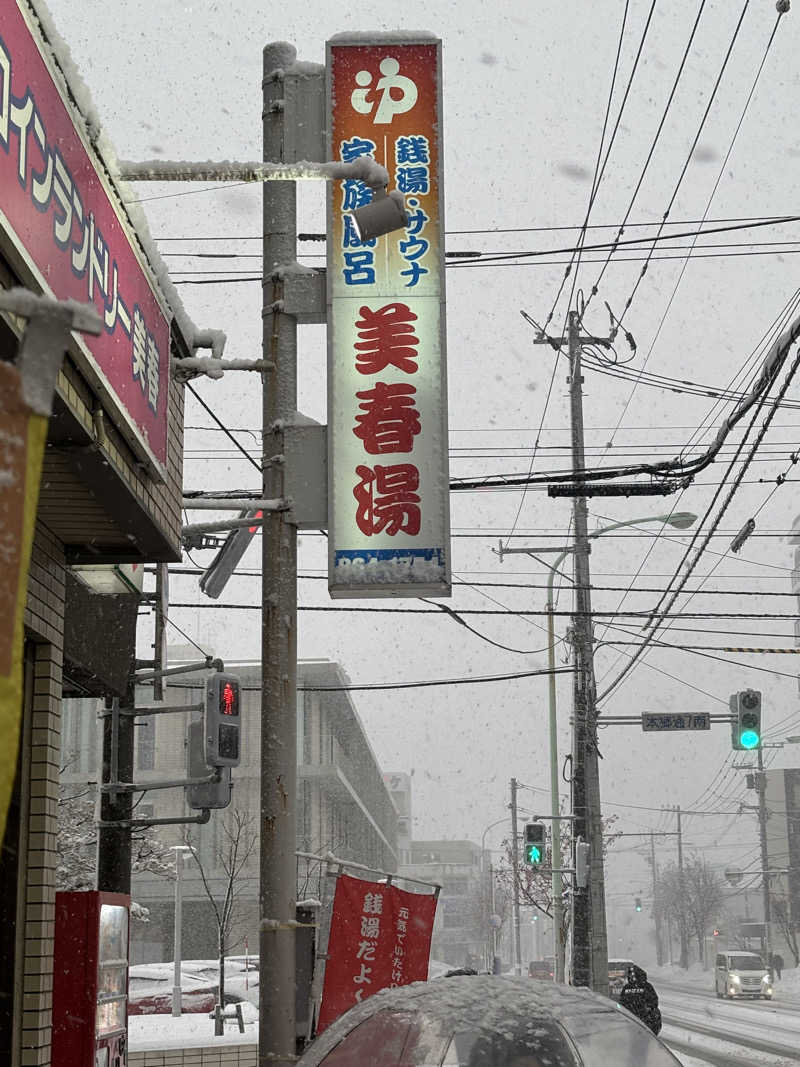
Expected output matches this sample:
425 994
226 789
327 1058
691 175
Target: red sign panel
380 936
57 209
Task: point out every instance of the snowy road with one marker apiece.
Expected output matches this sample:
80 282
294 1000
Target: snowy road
738 1034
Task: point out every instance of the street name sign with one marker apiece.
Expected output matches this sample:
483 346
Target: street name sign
676 720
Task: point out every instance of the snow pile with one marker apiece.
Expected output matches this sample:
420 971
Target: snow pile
189 1031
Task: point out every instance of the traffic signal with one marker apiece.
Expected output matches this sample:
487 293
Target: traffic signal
206 794
533 852
223 721
638 903
746 719
215 578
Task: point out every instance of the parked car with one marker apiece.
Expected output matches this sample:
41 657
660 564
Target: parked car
153 995
540 969
741 974
150 988
617 975
486 1021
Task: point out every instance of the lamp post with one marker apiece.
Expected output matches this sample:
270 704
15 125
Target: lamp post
179 851
483 888
681 520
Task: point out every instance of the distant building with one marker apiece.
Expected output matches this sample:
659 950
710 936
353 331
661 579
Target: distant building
458 935
343 804
782 800
399 785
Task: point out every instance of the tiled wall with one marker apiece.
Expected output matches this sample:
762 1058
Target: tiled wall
43 621
211 1056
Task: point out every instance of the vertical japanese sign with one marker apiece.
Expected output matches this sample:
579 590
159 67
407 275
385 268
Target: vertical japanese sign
388 499
380 936
59 215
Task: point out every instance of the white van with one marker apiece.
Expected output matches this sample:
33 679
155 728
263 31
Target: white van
741 974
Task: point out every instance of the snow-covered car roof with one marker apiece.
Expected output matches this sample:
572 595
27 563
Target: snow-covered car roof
491 1006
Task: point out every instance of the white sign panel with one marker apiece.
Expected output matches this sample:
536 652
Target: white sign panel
389 525
676 720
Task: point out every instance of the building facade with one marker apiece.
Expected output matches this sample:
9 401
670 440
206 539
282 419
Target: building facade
458 935
111 478
782 799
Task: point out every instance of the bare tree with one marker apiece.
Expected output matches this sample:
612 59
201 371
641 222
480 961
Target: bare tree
76 846
782 917
695 900
231 857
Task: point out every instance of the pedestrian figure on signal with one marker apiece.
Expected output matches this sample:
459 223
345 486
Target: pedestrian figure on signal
641 999
777 965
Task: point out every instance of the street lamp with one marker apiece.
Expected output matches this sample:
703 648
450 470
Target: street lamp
180 851
483 889
680 520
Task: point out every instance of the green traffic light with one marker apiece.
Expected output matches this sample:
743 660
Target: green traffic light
749 739
533 854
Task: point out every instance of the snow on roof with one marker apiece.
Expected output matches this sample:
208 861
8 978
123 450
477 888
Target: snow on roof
77 90
384 37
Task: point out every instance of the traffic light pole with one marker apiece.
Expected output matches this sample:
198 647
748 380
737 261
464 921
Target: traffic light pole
762 836
515 863
277 885
589 938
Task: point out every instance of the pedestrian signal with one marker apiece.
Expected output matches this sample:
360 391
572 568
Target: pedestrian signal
535 836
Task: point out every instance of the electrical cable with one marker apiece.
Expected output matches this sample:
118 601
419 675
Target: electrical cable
321 237
598 171
649 157
223 427
688 160
709 202
653 626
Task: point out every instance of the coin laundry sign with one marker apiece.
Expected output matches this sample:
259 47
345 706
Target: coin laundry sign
61 220
387 413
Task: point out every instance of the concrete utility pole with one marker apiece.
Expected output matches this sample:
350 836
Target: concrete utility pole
656 918
762 837
684 960
515 864
589 938
277 894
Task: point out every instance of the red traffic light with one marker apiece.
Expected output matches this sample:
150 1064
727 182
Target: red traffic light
229 699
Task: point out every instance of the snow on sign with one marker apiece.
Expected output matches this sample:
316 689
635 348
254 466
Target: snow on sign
389 526
60 217
676 720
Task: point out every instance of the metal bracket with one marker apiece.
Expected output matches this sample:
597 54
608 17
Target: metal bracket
165 783
132 824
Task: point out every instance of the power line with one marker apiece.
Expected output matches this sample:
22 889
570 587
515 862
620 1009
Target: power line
688 159
705 215
577 226
649 157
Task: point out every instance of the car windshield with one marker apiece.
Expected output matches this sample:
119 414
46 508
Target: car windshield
746 963
412 1039
541 1044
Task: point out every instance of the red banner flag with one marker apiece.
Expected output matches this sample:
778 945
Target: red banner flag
380 936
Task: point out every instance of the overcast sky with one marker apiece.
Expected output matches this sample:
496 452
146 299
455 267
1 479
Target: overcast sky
525 91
